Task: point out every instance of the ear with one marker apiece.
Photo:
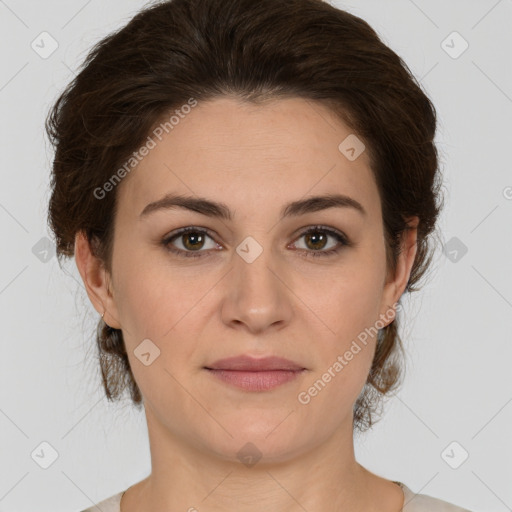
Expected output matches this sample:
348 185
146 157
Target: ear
97 281
395 284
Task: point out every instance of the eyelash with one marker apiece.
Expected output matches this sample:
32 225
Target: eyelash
340 237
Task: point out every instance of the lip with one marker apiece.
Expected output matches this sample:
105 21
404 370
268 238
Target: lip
252 364
255 374
256 380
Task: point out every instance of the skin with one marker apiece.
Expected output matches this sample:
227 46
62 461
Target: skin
254 159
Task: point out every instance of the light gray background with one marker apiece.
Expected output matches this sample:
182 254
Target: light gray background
458 383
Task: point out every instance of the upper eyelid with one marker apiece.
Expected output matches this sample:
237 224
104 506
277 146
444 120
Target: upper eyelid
303 231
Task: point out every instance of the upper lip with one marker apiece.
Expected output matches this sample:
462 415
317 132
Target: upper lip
249 363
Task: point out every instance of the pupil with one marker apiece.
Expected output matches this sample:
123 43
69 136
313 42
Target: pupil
318 238
196 236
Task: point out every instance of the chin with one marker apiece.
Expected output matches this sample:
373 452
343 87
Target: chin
258 441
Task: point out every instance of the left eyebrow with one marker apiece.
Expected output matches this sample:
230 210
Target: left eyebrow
221 210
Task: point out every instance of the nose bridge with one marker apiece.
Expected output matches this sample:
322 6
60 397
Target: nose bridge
257 296
253 261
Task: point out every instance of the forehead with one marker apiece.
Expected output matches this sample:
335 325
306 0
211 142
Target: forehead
242 154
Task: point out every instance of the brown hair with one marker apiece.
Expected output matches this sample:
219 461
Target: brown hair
258 51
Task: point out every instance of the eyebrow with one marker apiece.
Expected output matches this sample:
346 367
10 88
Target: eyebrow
221 210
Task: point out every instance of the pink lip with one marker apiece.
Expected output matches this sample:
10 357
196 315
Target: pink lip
253 374
248 363
256 380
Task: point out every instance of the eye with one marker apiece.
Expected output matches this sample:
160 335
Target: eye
316 239
191 239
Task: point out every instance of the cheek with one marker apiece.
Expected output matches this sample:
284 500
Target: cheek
152 307
170 307
347 300
346 350
153 298
349 306
333 387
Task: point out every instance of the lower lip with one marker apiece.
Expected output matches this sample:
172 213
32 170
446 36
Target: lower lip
256 381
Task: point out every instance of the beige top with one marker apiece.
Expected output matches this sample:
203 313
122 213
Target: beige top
413 503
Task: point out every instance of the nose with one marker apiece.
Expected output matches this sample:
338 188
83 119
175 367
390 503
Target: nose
257 296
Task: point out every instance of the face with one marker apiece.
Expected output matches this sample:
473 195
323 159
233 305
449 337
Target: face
257 283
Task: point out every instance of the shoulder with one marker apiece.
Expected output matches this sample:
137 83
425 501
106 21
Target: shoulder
423 503
111 504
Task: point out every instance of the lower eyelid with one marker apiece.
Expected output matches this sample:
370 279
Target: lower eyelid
168 241
332 234
339 237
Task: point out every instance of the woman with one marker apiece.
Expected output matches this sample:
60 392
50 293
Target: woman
248 188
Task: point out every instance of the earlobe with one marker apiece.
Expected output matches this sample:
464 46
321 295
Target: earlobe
96 280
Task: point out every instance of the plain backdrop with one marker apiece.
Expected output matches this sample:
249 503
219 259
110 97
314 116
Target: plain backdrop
456 400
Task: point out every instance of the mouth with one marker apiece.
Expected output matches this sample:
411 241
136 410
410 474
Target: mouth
255 374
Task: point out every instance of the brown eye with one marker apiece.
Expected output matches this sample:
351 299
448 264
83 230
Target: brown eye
316 240
192 240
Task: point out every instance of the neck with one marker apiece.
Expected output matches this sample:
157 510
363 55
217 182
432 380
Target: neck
188 476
